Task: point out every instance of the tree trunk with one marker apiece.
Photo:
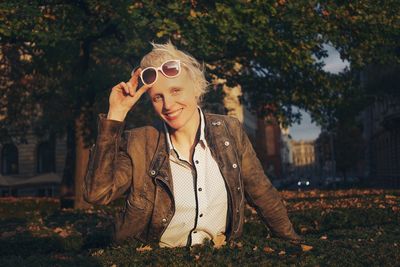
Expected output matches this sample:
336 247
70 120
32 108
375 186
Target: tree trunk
67 183
71 193
82 158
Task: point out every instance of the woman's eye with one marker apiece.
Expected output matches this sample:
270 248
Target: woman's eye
157 98
175 91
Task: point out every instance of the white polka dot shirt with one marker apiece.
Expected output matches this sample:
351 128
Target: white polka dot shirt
200 196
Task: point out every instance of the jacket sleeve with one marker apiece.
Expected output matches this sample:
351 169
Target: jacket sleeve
261 194
109 170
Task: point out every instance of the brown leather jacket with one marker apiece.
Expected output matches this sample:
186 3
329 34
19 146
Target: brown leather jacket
137 162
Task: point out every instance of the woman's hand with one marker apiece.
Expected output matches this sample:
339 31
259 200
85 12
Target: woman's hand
124 96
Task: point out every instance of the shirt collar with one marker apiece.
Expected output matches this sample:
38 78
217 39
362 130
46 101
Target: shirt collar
202 139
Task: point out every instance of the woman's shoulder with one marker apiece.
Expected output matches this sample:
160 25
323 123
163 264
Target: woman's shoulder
229 120
145 131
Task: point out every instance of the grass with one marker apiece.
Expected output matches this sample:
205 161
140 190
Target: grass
341 228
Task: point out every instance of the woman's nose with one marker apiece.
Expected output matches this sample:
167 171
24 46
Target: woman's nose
168 102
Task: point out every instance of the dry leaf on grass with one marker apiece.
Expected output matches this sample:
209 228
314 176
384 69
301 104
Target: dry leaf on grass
219 241
306 248
62 232
143 249
268 249
324 237
239 244
282 252
8 234
303 230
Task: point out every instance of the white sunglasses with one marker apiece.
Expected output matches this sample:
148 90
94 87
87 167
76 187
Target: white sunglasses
170 69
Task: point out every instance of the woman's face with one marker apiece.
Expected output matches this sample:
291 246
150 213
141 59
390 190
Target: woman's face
174 100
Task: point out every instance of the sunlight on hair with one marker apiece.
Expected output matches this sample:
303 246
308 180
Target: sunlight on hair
163 52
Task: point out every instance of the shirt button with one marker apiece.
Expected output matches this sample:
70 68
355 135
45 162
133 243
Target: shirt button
194 232
238 189
234 165
164 220
200 189
226 143
201 215
237 211
152 172
196 161
218 123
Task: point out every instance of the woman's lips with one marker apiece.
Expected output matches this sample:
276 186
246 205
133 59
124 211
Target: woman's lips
173 115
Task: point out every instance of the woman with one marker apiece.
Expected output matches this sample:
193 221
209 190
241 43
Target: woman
186 177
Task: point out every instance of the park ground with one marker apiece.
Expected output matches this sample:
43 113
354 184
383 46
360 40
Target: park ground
353 227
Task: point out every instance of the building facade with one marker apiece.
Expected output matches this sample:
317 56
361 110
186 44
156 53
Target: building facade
381 131
303 155
29 161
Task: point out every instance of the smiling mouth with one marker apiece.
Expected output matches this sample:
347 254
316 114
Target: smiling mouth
173 115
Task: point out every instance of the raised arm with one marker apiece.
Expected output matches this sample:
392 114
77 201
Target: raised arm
110 169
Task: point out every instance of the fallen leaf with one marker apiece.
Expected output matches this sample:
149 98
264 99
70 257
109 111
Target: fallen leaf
219 241
193 13
268 249
255 248
303 230
8 234
281 253
306 248
143 249
239 244
324 237
98 252
62 232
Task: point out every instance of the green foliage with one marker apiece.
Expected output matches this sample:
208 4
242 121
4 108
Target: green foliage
79 49
36 233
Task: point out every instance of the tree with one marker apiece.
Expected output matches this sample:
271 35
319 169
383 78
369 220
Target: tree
65 56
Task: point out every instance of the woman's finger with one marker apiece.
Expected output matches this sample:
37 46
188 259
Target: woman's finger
124 87
142 90
134 78
131 89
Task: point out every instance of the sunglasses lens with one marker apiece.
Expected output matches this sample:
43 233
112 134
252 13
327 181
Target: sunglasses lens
149 76
171 68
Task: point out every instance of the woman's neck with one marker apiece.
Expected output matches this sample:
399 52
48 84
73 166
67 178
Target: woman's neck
184 139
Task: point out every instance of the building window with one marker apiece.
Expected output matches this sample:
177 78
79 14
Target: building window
45 157
9 159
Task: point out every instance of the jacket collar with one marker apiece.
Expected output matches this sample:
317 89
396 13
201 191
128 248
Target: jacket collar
160 154
213 127
202 139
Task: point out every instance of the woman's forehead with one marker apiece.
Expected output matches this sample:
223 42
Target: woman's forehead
164 84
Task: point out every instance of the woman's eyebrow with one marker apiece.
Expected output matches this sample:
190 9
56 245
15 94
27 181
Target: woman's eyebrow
176 87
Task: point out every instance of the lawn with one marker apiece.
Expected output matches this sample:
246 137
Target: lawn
341 228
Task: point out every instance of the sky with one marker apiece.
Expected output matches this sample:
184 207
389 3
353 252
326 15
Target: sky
307 130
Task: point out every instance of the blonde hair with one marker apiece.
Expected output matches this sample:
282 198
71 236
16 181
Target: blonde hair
163 52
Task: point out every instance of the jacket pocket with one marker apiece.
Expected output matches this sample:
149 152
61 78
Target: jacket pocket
135 201
133 219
